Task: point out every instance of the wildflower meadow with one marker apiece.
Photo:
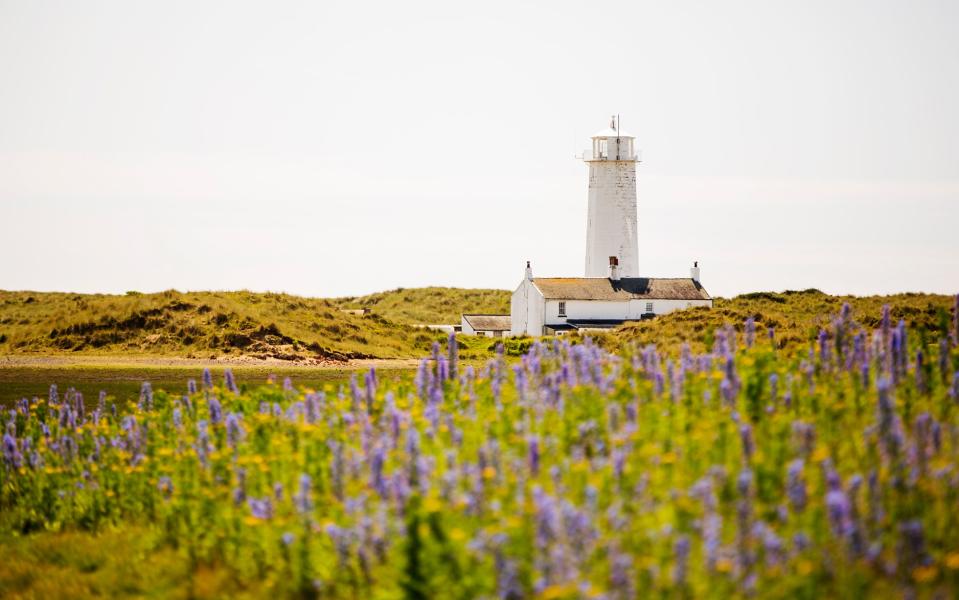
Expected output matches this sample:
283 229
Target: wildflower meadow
823 469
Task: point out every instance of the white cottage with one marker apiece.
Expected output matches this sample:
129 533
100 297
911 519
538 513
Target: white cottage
612 291
554 305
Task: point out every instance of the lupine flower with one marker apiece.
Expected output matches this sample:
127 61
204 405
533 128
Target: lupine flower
533 444
824 354
261 508
912 547
216 411
796 486
303 499
837 507
146 396
203 445
11 454
191 386
234 430
746 436
890 427
239 492
750 331
230 382
681 553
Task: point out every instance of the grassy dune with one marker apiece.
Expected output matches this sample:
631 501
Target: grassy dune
220 324
225 325
431 304
796 316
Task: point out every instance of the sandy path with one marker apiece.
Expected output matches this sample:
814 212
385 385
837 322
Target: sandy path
20 361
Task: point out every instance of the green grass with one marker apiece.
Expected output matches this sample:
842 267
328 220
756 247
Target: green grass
123 381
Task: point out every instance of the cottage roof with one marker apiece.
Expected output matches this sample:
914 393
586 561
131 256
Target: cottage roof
633 288
488 322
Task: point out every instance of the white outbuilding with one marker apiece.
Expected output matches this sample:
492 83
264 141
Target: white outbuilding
485 325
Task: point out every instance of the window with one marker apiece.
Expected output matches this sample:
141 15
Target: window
562 309
649 307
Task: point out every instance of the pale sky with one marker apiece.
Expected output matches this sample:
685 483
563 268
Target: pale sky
328 149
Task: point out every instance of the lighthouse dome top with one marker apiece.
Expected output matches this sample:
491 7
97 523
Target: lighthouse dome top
610 132
613 131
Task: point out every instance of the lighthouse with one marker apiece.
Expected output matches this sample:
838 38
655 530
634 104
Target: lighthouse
611 239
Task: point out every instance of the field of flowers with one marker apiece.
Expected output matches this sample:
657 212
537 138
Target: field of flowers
827 470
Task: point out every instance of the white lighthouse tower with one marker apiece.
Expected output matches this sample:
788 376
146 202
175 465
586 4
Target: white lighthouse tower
611 220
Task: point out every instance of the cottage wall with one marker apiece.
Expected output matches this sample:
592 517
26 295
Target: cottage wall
527 310
613 310
637 308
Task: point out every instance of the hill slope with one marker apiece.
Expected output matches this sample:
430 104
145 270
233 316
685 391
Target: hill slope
211 324
285 327
430 305
796 316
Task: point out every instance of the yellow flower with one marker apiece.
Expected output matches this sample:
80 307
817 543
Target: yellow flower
924 574
432 504
821 454
952 560
554 591
489 473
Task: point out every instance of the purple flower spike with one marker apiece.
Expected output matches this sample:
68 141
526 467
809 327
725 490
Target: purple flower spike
534 455
303 499
11 454
234 429
216 411
230 382
795 485
681 550
146 396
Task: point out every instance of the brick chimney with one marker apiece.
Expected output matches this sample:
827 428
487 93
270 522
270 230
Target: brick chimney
613 268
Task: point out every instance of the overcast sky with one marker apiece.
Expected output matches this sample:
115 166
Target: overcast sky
330 149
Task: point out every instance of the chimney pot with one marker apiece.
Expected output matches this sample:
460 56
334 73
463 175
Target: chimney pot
613 268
